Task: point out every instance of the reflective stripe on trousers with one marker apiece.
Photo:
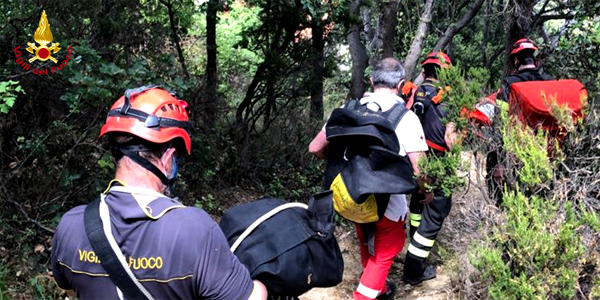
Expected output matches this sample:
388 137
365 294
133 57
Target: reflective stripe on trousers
415 219
423 236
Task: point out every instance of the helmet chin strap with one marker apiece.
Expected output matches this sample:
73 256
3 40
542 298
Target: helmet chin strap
131 152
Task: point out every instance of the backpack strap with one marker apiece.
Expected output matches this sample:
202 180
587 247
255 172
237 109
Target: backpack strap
263 218
112 259
395 114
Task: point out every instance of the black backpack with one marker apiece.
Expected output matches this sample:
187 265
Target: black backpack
292 251
363 164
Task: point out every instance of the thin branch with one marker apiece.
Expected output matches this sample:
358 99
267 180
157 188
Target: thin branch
24 213
456 27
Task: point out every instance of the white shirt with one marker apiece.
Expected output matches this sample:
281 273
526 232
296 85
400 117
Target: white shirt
410 137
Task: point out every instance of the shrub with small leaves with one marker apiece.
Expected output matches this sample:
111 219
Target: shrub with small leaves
535 254
458 94
529 148
8 94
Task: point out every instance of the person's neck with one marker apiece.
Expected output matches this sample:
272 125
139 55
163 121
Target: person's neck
385 90
432 79
526 67
140 178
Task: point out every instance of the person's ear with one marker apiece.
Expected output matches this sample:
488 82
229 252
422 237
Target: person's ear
400 85
167 159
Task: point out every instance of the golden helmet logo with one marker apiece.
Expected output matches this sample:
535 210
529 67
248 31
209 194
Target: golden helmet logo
43 36
43 52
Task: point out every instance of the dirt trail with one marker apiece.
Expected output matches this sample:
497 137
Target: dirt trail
437 289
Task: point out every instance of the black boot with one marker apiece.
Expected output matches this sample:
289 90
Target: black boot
390 293
428 274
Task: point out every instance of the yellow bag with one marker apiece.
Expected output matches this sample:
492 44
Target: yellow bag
366 212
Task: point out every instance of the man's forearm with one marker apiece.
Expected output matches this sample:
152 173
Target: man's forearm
414 158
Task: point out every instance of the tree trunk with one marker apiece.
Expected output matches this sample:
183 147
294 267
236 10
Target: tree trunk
415 48
387 26
211 64
358 52
316 93
519 25
486 32
453 29
169 6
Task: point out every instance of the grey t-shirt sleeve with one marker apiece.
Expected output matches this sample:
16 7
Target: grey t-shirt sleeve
57 269
221 276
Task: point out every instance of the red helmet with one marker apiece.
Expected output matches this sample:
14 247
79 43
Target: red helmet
439 58
150 113
523 44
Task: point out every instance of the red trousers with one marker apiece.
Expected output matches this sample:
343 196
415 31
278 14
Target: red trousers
389 241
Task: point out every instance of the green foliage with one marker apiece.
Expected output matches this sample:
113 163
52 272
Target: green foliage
45 288
98 83
8 94
535 254
540 250
442 171
529 148
458 93
237 57
561 113
207 202
590 218
573 55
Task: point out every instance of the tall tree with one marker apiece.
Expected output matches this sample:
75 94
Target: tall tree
358 51
316 91
169 5
386 27
415 48
519 19
211 63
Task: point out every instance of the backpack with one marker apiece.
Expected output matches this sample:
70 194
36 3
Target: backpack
363 164
527 103
289 247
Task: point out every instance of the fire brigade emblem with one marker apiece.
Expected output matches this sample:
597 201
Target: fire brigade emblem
43 36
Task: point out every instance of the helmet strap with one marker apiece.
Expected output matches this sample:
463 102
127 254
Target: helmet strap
131 152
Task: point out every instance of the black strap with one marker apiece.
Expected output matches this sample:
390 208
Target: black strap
132 154
109 260
396 113
368 233
132 92
365 106
150 121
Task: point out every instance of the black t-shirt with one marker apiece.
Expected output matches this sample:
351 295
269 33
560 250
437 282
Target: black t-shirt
430 114
521 76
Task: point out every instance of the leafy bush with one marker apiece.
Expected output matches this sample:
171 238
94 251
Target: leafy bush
532 164
542 248
537 253
8 94
458 94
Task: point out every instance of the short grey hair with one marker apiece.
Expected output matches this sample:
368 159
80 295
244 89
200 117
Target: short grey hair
388 72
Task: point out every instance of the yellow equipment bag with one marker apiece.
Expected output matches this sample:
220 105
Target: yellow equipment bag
348 208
